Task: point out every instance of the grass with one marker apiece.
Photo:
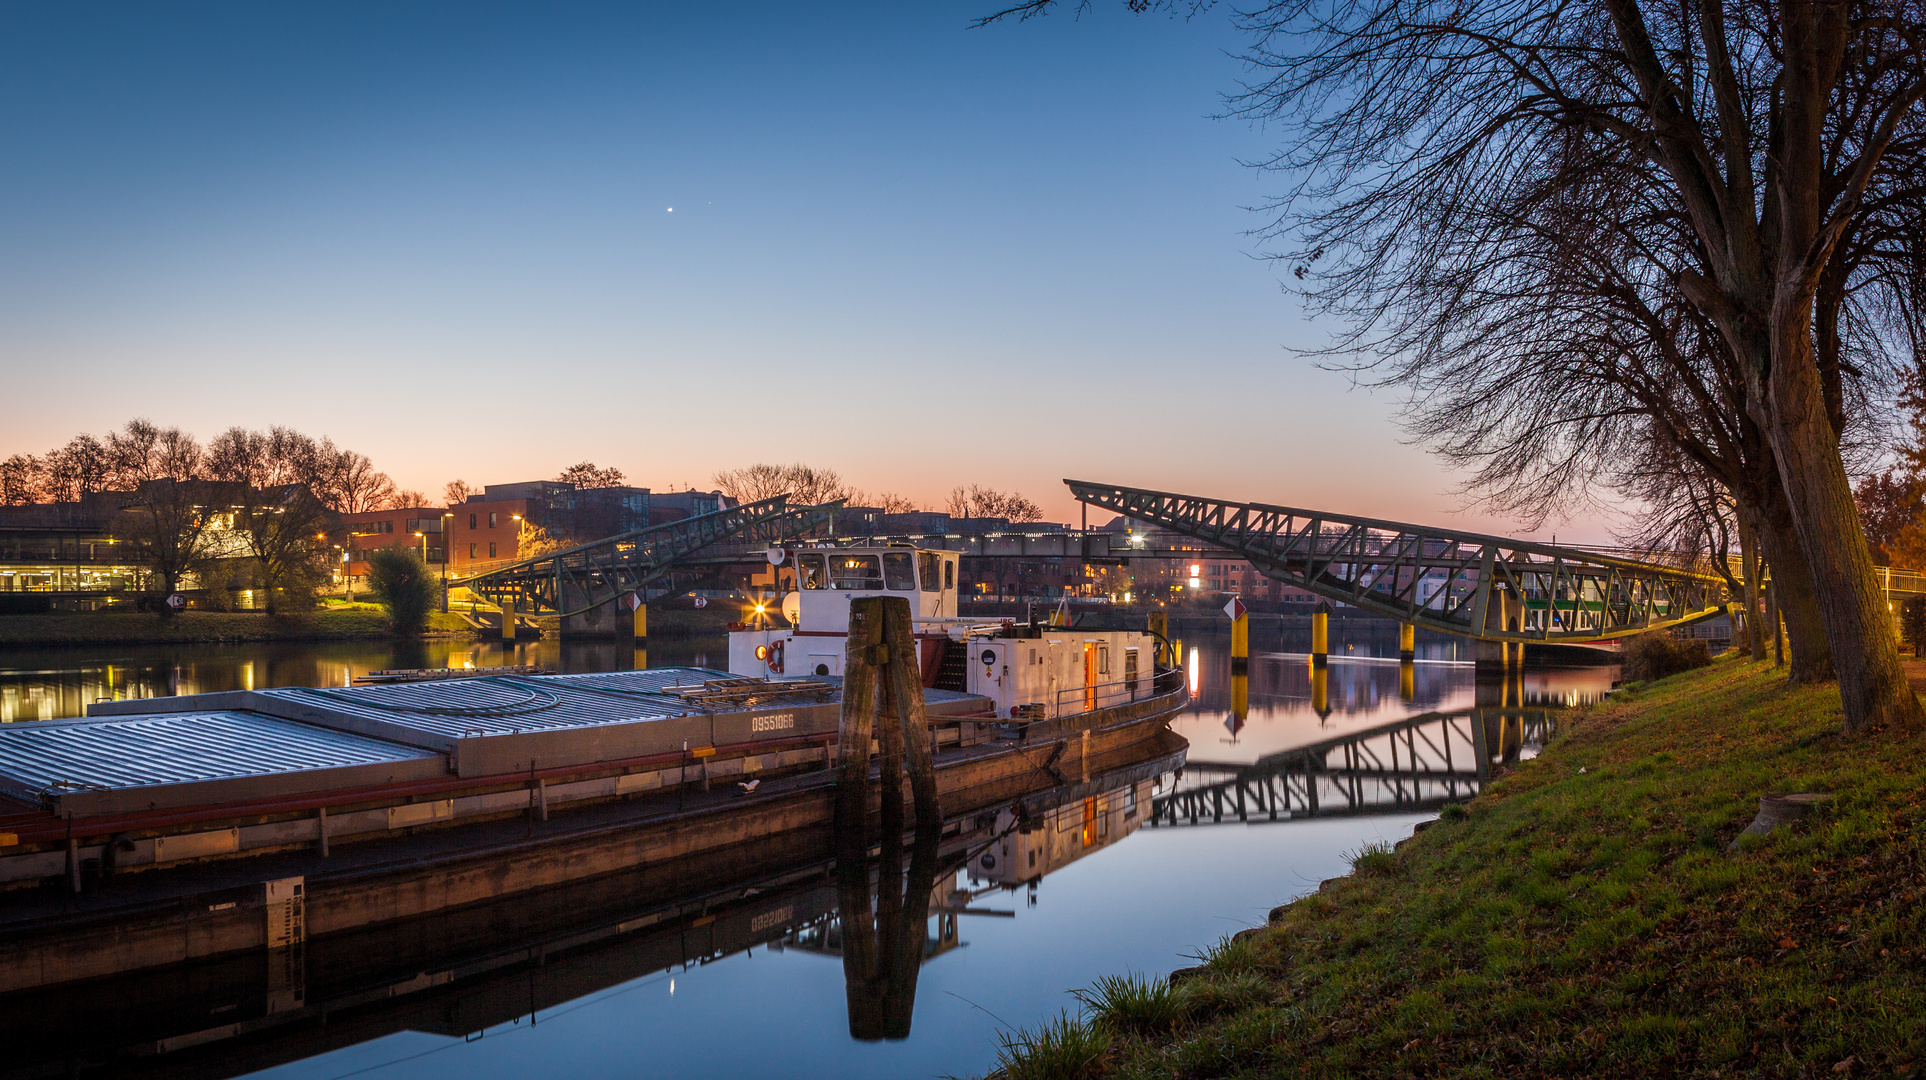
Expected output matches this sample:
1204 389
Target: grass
333 622
1584 923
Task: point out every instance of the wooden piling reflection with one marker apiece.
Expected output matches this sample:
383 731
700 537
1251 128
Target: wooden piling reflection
882 937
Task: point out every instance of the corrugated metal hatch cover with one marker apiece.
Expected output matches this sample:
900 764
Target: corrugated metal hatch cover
108 755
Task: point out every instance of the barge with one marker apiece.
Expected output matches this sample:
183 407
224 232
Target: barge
470 972
165 830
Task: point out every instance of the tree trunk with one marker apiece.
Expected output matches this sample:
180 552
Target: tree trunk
1792 591
1749 576
1865 651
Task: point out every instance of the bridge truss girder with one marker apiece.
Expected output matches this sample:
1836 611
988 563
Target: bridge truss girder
577 579
1493 588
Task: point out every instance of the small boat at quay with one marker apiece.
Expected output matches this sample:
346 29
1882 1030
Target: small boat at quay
1032 670
164 830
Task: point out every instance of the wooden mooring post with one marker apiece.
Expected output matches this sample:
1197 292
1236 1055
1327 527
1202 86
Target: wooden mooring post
883 699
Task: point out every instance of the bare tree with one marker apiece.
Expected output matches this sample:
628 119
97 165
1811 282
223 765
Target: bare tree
587 474
457 492
358 487
22 480
76 470
887 501
978 501
286 526
406 499
170 507
804 484
1750 137
1773 144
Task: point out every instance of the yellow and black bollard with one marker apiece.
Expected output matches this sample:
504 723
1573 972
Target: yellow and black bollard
1240 640
1159 626
641 634
1407 643
508 622
1321 636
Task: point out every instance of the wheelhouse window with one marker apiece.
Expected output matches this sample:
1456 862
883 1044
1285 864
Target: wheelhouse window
928 570
949 573
811 573
899 571
855 572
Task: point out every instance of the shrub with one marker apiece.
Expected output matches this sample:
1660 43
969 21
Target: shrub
1912 621
1655 655
400 583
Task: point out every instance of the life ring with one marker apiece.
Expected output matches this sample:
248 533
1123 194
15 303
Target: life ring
775 657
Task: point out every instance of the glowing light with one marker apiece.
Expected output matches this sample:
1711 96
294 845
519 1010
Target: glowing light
762 652
1196 671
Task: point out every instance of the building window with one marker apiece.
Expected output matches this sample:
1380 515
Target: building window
491 545
491 521
471 521
471 549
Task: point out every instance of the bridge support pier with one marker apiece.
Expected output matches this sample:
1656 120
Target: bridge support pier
607 620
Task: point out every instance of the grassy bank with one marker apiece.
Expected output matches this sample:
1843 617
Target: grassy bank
354 622
1583 918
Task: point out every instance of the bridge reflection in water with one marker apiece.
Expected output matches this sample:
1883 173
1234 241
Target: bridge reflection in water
1411 764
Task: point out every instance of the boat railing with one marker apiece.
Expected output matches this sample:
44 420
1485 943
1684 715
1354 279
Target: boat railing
1088 697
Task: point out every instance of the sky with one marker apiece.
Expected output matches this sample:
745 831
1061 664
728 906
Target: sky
489 241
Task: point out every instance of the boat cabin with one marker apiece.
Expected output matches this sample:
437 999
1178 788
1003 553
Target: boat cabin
827 579
1038 672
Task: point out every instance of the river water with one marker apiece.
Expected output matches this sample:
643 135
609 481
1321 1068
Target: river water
1116 892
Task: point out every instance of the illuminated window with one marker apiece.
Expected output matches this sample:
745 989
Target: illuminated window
855 572
491 521
813 574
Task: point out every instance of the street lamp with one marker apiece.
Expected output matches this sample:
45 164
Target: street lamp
446 550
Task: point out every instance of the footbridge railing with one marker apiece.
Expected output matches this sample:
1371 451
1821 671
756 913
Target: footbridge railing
1413 764
1480 586
576 579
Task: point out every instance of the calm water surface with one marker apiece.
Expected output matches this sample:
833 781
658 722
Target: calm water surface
1133 899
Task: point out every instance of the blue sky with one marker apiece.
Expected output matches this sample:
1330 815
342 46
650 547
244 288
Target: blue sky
919 253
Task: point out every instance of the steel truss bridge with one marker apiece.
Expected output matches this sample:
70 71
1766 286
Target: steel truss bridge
1413 764
1489 587
657 561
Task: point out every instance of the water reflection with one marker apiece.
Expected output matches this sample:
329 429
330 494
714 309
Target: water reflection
1415 763
467 974
56 683
1290 705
